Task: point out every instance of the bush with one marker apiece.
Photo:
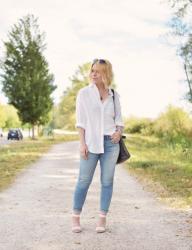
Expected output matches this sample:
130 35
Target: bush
139 125
174 125
9 117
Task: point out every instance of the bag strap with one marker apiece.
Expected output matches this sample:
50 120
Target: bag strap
123 136
114 100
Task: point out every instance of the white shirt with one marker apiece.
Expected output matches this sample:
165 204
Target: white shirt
97 118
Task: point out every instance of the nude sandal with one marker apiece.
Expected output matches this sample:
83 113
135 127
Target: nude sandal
101 229
76 229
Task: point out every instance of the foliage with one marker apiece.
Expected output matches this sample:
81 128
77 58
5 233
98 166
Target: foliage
139 125
181 7
9 117
174 125
182 30
65 112
2 116
26 79
12 119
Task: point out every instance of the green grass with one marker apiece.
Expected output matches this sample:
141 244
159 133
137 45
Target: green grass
164 168
16 156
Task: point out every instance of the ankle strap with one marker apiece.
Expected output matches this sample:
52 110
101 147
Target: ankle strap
102 215
76 215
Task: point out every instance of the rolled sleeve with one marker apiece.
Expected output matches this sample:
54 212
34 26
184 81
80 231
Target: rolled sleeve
118 115
80 112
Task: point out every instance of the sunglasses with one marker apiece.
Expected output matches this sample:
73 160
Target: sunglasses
101 61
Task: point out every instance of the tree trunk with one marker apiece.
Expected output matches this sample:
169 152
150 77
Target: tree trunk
33 131
38 130
188 81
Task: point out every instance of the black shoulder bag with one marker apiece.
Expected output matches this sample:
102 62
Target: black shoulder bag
123 152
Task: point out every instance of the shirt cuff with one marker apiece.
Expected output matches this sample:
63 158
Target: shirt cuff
80 125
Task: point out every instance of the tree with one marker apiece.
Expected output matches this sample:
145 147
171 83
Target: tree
9 117
174 124
186 53
181 25
65 112
26 79
181 7
12 119
2 116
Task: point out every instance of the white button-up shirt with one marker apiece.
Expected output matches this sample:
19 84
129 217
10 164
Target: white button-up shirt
97 118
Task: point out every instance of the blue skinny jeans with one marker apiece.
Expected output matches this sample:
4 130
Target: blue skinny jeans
86 171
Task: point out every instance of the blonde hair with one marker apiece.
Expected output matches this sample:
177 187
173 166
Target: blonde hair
105 68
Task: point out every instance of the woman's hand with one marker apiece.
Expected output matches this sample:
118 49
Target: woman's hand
115 138
84 151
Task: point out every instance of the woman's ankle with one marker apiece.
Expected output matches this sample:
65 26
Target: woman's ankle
76 220
76 212
103 213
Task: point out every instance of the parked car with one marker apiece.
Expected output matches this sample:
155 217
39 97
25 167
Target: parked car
15 134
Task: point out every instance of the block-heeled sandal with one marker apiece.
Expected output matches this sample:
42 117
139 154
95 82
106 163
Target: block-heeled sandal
76 229
101 229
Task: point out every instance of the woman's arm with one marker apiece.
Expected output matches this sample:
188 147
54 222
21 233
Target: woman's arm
80 125
118 119
83 146
81 135
118 116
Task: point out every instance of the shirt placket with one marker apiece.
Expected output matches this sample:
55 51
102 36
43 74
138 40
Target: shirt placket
101 118
102 126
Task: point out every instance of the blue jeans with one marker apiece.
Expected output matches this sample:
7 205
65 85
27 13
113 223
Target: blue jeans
87 168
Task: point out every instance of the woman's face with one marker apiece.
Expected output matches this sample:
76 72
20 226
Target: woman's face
95 75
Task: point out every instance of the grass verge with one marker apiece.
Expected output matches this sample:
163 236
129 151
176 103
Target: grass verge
16 156
163 168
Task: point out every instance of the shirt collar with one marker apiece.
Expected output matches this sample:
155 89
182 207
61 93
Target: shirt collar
92 85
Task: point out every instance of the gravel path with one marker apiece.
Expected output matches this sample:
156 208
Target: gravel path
36 211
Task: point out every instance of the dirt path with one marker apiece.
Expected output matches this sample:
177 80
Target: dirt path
36 211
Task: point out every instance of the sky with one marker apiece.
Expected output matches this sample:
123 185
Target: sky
130 34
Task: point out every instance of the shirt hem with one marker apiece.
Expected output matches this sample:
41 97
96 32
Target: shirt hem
80 125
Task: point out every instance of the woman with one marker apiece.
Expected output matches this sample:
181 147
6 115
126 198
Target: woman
100 127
